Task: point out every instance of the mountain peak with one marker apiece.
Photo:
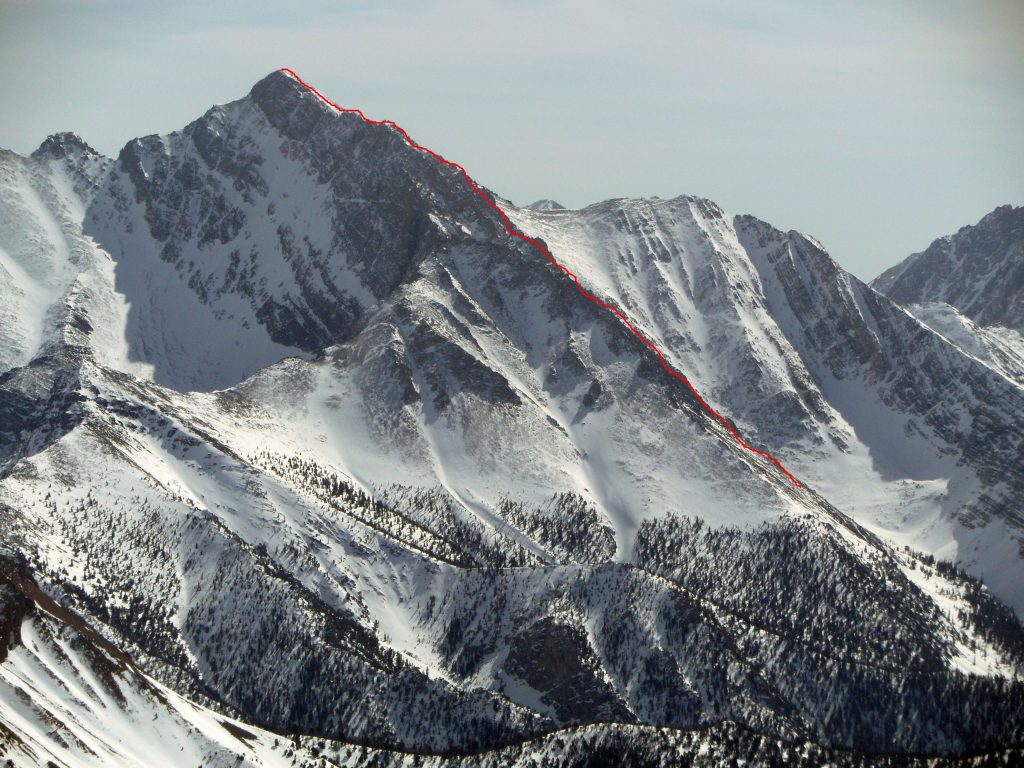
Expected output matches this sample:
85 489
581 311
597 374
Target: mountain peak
1002 216
279 93
545 205
978 270
277 78
63 145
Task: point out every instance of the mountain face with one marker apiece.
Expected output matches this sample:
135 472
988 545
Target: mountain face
298 435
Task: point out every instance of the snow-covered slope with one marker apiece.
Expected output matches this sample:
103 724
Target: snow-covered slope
54 280
335 453
268 584
997 346
69 697
891 423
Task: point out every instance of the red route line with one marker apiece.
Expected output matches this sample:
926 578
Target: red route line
551 260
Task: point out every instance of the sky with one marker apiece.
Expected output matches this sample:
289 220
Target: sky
874 126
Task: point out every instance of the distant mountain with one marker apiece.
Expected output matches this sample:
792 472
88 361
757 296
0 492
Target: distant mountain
970 288
314 445
979 271
545 205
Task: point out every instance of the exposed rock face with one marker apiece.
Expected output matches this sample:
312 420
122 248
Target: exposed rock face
313 441
15 606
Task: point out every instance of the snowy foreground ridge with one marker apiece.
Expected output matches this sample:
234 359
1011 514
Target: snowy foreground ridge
304 460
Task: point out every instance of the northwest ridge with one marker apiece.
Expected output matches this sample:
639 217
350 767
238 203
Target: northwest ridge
551 260
304 458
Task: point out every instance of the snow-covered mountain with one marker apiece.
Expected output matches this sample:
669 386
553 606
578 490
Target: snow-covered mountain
969 287
979 270
289 420
893 424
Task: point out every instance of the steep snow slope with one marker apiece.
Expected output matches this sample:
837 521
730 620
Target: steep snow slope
45 264
34 266
1001 348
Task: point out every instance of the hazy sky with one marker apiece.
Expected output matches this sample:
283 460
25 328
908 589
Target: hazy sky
875 126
